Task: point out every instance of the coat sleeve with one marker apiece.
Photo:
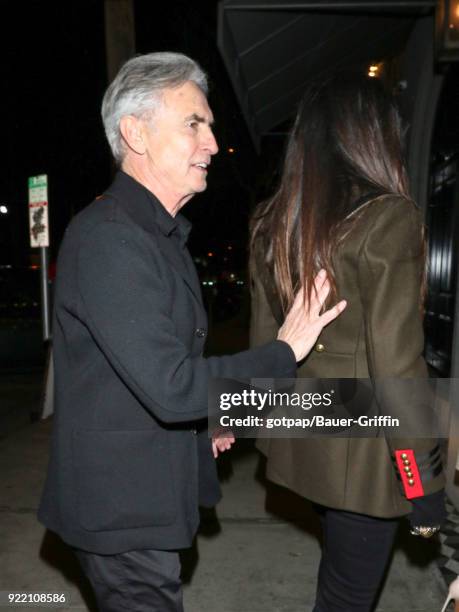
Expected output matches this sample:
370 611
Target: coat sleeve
125 302
390 275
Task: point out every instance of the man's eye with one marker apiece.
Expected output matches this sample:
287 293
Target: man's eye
193 124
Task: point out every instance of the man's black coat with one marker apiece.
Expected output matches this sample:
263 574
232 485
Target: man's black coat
128 463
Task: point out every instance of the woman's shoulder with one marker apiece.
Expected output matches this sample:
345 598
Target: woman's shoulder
385 204
386 213
384 222
393 226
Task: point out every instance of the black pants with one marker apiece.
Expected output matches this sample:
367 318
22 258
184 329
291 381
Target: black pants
135 581
356 549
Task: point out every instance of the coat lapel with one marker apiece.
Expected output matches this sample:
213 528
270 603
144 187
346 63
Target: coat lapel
145 210
181 262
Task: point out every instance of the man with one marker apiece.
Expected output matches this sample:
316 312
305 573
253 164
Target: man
131 460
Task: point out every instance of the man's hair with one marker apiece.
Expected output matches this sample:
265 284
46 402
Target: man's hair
136 90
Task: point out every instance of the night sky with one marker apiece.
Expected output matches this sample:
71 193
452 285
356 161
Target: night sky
54 77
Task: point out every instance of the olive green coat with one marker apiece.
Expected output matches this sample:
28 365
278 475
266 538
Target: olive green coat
378 270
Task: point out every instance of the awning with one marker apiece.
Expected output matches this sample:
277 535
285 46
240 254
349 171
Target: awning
271 49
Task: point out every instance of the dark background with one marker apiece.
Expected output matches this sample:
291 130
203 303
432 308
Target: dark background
53 79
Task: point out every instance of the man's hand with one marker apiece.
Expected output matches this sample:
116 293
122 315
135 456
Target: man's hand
222 441
303 325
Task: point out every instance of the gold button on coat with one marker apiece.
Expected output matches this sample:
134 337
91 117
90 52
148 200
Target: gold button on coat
319 347
411 482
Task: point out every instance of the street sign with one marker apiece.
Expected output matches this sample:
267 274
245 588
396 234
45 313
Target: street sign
38 211
39 237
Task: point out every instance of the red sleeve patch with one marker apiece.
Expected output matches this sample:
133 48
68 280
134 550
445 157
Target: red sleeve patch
409 473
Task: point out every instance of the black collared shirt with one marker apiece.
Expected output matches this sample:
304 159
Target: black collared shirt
165 221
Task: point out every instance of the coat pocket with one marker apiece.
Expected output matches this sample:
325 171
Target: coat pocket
123 479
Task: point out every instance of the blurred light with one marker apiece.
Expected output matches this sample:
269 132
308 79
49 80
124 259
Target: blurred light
447 31
210 254
3 209
230 248
231 150
373 70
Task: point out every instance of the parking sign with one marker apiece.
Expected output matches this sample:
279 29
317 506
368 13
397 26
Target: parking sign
38 211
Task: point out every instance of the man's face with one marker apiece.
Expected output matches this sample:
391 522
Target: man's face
179 142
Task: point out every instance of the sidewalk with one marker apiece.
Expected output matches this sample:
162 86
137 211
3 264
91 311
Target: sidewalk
249 559
20 398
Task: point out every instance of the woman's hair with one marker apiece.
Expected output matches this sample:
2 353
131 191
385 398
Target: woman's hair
345 145
136 90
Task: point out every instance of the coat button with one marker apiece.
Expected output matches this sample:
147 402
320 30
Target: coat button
319 347
200 332
404 456
411 482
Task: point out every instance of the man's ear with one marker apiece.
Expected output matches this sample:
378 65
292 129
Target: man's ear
132 133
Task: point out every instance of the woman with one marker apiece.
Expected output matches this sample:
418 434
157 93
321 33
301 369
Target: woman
343 205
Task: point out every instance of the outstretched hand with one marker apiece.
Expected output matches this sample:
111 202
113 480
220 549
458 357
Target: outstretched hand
304 323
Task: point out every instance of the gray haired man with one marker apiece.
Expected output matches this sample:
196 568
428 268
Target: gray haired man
131 459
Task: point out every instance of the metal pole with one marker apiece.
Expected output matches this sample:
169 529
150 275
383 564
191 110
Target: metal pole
119 34
44 286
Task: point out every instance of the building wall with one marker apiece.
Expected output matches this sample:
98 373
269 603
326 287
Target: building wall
423 82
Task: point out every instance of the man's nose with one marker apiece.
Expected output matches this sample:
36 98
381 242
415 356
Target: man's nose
210 143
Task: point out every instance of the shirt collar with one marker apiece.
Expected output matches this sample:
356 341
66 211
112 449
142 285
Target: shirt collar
164 220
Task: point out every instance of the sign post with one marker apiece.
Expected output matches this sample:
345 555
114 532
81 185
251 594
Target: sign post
39 238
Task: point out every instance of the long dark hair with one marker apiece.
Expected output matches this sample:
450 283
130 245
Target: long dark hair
345 145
